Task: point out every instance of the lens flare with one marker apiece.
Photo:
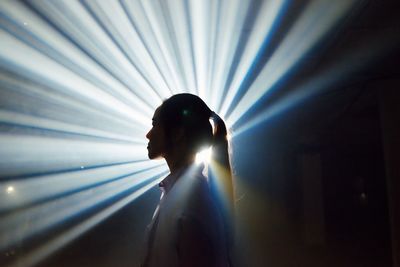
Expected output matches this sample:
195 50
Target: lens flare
10 190
204 156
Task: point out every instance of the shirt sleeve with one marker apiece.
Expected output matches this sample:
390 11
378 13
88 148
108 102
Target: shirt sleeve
194 245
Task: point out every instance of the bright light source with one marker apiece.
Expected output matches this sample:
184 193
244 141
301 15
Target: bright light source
10 190
204 156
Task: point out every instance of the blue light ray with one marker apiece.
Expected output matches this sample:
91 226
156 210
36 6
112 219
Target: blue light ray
31 190
24 154
13 54
232 16
179 28
47 215
40 123
76 22
58 242
140 21
129 42
163 39
20 95
89 48
257 40
326 78
317 19
37 34
199 14
214 15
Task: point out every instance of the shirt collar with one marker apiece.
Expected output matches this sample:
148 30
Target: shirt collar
168 182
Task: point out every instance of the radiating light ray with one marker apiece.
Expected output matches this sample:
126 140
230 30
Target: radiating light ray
130 43
270 13
32 190
139 20
156 19
198 13
230 22
166 15
180 28
24 96
61 78
47 124
58 242
40 35
51 39
318 18
23 154
213 15
81 27
349 63
44 216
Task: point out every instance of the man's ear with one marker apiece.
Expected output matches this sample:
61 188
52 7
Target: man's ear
178 135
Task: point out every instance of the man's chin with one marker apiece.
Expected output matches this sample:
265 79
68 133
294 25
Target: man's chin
153 156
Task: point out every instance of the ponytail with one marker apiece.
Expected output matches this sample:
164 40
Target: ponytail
224 179
221 157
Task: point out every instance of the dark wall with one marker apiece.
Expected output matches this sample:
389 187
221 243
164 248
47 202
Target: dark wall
272 212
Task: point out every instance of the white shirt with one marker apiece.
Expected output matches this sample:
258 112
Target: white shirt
186 229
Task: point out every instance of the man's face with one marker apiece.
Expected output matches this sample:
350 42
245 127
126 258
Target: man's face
156 136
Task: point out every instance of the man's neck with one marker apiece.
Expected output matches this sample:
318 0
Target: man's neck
177 162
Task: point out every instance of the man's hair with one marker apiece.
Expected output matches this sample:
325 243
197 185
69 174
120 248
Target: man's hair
190 113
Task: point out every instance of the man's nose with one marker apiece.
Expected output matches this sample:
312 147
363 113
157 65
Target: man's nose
148 135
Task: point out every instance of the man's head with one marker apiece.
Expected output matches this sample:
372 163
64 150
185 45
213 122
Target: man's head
182 121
